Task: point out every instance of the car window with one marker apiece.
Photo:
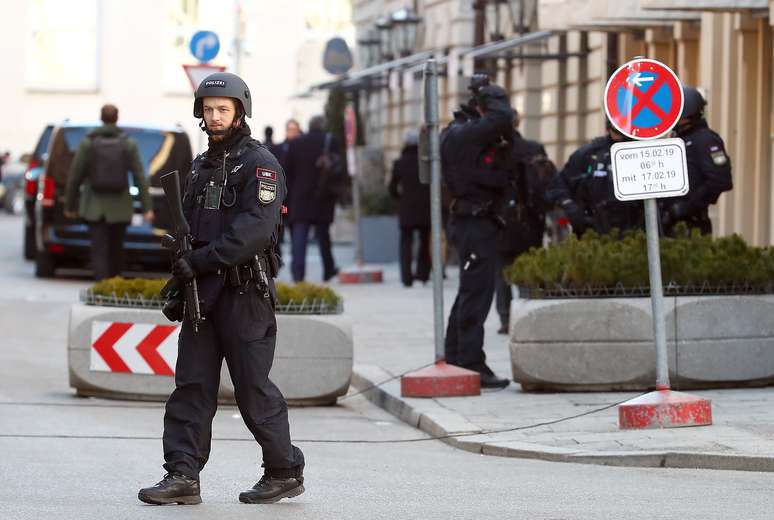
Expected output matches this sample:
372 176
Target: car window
148 141
41 150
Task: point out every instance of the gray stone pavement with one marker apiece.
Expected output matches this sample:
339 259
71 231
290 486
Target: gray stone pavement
393 334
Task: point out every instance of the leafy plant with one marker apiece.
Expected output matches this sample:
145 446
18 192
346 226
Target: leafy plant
149 289
604 261
378 203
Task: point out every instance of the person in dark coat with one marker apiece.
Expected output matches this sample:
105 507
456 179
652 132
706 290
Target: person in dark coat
709 169
280 150
524 212
584 190
311 195
414 211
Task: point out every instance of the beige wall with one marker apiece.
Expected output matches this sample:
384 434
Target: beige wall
131 70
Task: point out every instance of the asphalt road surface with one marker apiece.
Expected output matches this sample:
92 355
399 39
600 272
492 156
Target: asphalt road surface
63 457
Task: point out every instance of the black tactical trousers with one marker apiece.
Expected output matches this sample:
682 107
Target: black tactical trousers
476 241
242 329
107 248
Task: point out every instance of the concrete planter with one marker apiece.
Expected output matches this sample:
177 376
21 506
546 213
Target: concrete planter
312 364
380 237
607 345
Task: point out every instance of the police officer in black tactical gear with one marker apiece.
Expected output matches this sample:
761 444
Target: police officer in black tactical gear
475 151
584 190
232 201
524 210
709 169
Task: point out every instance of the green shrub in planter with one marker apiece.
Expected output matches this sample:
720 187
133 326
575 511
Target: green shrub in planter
689 260
378 203
148 290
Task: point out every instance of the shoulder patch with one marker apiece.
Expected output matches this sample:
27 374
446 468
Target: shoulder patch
267 192
719 158
264 174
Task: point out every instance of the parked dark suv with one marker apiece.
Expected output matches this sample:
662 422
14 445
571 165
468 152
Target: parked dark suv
63 242
34 168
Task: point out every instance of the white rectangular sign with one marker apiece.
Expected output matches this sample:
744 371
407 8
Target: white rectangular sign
649 169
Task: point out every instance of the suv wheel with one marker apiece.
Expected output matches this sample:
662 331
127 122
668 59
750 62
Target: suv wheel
44 265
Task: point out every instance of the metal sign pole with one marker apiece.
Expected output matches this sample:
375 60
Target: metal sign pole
351 156
656 295
431 123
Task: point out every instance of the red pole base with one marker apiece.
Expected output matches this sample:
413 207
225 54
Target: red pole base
664 409
360 274
441 380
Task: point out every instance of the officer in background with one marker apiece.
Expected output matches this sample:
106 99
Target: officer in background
709 169
584 190
475 157
524 211
232 200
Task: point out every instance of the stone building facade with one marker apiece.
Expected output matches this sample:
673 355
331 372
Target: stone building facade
557 74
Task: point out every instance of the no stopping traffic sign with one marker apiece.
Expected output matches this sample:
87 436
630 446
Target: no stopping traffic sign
643 99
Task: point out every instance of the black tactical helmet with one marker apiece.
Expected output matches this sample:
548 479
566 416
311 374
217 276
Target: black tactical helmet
693 104
223 84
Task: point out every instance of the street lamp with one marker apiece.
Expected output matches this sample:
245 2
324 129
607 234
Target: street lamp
369 48
405 22
384 27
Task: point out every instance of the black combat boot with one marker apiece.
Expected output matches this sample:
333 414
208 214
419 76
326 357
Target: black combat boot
273 489
176 488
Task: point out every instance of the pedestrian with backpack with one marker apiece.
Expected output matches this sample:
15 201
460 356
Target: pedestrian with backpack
98 183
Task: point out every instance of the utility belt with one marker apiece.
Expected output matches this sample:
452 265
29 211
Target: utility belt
465 208
259 270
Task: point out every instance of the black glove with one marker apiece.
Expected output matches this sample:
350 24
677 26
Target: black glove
576 216
674 212
173 309
183 270
490 93
469 109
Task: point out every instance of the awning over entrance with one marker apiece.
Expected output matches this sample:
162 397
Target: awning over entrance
706 5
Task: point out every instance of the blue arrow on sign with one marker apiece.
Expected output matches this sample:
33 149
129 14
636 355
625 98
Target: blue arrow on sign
204 45
645 98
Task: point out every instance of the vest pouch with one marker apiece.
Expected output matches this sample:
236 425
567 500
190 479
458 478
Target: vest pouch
207 224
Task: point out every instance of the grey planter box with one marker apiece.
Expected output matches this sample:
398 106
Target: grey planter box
607 344
312 361
380 238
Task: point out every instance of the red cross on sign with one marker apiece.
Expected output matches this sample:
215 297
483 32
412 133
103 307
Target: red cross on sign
644 99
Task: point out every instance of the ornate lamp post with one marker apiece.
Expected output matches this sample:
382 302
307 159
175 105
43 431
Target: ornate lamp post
405 21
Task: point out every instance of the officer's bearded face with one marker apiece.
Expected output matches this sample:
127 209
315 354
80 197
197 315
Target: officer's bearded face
219 115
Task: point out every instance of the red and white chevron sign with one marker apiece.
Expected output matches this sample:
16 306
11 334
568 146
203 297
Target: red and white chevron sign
135 348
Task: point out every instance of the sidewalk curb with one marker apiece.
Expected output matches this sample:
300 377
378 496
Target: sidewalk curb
436 420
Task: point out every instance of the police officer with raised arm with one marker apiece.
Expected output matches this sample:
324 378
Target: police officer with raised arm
709 169
232 201
475 154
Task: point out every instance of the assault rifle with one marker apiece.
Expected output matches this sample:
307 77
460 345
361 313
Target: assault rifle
180 244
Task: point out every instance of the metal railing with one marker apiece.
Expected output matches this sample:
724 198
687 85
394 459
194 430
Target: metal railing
622 291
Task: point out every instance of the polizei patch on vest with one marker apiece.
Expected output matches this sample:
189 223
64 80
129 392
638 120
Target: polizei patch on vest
267 192
215 83
266 175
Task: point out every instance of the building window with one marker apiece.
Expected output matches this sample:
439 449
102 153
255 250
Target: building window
62 48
